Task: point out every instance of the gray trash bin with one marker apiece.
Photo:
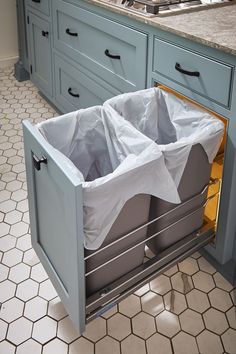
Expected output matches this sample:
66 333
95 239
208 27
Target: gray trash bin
135 213
111 161
175 125
195 177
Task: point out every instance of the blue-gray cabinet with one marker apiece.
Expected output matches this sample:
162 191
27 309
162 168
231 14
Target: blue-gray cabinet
39 35
76 87
88 54
41 6
112 51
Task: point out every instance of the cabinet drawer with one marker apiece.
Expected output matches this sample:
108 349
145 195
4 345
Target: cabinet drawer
91 39
75 89
214 81
40 5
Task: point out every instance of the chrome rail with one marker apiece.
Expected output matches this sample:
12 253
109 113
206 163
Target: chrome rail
150 237
132 281
181 205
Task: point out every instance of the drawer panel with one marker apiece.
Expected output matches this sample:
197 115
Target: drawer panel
93 36
40 5
75 89
215 78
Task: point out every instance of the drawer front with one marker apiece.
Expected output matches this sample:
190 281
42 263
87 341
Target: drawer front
40 5
75 89
91 39
215 78
56 216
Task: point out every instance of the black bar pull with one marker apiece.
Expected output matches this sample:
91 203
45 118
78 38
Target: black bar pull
186 72
73 34
37 162
36 1
71 93
45 33
111 55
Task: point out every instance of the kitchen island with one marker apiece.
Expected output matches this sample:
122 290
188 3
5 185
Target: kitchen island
84 52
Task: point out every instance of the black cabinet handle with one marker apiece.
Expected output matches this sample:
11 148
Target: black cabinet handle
111 55
186 72
74 34
45 33
37 162
36 1
72 94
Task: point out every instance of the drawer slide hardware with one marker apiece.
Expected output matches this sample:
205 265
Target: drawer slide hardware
37 162
107 53
72 94
73 34
165 259
186 72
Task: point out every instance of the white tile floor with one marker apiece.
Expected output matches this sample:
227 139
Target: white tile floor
189 309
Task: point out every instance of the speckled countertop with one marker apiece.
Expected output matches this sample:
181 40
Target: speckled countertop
214 27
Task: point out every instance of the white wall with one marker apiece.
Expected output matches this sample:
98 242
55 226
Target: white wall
8 33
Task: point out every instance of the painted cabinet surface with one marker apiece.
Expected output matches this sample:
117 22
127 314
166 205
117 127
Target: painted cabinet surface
82 54
39 35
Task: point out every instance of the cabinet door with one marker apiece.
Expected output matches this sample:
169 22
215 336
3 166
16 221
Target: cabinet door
40 53
56 220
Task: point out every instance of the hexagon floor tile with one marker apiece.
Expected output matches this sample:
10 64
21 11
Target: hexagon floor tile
189 309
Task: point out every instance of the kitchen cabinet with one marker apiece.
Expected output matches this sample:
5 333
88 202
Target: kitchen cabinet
39 35
76 87
41 6
92 53
111 51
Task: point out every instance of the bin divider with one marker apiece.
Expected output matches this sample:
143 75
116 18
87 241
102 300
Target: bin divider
152 236
212 181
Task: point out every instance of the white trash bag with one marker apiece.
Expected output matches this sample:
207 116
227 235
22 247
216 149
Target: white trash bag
114 162
173 123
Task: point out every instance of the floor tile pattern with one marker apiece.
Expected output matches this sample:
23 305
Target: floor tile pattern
189 309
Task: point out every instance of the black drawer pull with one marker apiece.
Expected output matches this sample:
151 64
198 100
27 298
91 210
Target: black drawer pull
37 162
72 94
186 72
73 34
111 55
36 1
45 33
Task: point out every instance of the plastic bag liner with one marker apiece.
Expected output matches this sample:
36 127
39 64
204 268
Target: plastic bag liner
173 123
114 162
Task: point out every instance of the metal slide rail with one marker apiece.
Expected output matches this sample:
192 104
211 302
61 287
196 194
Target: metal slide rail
101 300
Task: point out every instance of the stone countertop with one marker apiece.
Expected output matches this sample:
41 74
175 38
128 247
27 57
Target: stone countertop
214 27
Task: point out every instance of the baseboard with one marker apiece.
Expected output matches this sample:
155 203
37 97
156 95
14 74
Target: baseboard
6 62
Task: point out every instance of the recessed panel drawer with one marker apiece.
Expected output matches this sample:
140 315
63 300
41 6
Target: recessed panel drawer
75 89
40 5
110 50
207 77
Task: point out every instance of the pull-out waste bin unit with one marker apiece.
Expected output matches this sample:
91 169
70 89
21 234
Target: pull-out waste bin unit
100 188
